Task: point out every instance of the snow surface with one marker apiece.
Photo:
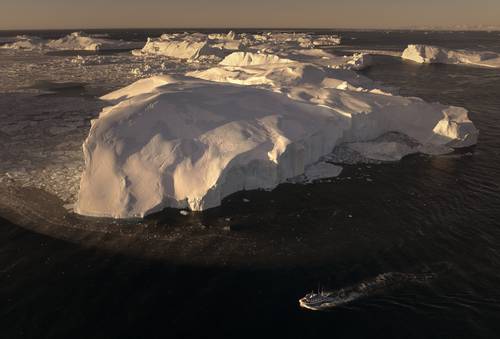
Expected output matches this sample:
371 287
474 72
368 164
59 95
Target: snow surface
425 54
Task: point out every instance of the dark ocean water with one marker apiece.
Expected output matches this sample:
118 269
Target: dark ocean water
239 270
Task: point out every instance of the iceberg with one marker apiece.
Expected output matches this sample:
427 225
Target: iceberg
187 143
425 54
273 42
79 41
327 40
76 41
247 68
191 46
177 49
24 42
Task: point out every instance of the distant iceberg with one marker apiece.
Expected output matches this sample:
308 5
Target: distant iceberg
193 46
80 41
24 42
425 54
190 46
76 41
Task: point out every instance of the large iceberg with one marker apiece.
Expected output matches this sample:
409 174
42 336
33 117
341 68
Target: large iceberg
425 54
188 143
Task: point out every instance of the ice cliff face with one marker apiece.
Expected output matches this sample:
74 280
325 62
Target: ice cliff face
432 54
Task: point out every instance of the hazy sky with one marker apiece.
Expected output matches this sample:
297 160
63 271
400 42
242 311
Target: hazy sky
18 14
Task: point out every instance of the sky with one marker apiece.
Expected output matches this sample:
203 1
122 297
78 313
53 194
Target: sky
65 14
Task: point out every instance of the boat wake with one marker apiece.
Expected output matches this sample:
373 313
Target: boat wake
323 300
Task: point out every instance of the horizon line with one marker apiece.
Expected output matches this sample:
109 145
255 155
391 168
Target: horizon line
423 28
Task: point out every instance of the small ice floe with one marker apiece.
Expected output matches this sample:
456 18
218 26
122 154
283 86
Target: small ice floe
321 170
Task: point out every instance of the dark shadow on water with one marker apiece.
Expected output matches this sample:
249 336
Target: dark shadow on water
54 289
65 89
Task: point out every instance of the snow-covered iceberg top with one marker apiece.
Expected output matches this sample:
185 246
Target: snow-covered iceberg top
432 54
188 143
276 72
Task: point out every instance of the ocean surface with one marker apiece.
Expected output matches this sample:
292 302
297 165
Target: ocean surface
237 271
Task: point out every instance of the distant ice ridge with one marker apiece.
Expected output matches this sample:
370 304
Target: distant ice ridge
77 41
188 143
195 46
432 54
